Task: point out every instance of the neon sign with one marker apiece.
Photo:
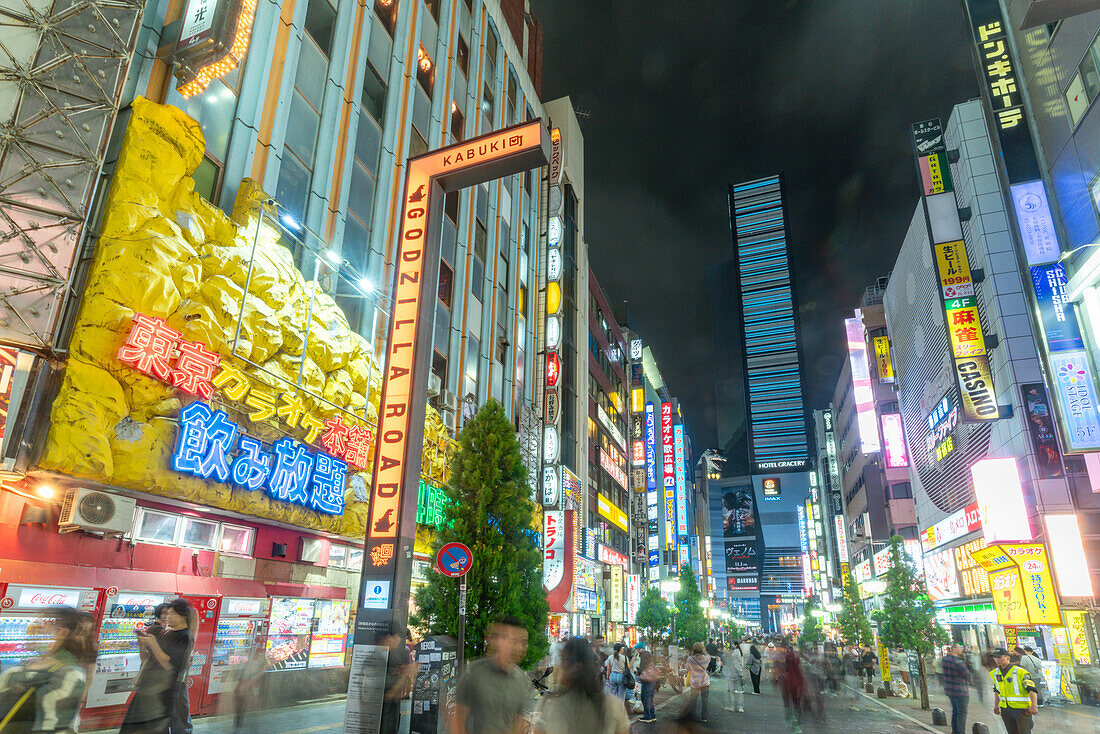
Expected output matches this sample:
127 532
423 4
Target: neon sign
290 472
156 349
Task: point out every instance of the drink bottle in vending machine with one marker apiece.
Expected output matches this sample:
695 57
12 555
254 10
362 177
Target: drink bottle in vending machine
25 621
239 642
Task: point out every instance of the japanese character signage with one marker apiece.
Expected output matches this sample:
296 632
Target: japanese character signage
935 173
960 309
1032 207
681 479
1076 389
1021 582
558 574
213 40
408 343
158 350
211 446
883 364
668 456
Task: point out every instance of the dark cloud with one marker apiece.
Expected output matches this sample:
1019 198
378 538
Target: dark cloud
684 97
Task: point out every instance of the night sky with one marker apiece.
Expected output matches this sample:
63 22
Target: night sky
678 99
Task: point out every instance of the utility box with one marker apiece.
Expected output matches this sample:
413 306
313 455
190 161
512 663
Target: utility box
433 694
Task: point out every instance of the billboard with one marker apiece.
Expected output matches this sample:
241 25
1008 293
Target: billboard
862 393
1000 499
734 536
884 366
1040 427
893 436
681 481
668 456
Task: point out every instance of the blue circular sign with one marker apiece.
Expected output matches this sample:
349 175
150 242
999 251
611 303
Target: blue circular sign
454 560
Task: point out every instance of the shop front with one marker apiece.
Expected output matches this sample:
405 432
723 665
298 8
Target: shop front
209 435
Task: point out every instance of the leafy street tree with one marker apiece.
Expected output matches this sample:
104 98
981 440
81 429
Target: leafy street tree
691 623
907 618
492 512
853 624
812 633
653 615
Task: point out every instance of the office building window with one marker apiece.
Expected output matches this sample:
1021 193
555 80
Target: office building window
462 56
386 10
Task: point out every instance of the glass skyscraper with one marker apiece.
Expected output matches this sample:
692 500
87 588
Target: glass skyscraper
778 436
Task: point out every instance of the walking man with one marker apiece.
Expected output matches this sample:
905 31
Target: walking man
494 694
956 684
1014 695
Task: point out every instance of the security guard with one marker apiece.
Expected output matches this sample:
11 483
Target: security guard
1015 697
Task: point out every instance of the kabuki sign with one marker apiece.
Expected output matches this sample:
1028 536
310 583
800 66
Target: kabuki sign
404 385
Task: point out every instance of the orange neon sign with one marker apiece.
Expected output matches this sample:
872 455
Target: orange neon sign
401 410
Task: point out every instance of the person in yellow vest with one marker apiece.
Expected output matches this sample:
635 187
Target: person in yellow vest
1015 696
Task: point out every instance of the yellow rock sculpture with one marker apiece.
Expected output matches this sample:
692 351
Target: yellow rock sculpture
164 251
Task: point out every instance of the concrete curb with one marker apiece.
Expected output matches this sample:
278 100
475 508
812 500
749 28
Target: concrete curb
891 709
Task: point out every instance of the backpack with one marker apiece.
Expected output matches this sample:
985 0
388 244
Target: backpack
19 701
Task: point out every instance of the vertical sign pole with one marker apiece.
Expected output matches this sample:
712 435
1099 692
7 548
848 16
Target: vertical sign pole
461 623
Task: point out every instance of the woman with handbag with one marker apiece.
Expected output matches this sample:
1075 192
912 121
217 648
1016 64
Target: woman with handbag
44 694
699 680
159 702
615 669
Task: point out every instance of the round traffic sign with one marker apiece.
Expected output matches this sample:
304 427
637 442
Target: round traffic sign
454 560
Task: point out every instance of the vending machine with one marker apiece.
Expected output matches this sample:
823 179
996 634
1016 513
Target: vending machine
330 633
118 662
25 617
241 632
199 672
289 633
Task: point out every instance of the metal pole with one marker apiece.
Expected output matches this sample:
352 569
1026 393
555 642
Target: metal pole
461 623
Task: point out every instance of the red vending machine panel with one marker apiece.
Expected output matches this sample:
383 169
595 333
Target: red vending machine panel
207 608
25 617
118 661
238 645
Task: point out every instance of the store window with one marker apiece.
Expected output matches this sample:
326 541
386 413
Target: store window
155 527
338 556
425 71
386 10
214 109
446 283
458 123
236 540
199 534
1084 85
355 559
462 56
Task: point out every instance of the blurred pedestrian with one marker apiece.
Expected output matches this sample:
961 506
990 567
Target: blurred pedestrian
956 684
246 690
493 695
867 662
974 663
581 705
792 684
615 670
160 702
1030 662
756 666
44 693
834 669
734 664
699 681
649 675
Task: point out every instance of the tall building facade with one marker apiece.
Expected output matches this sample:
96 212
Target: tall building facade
874 464
777 427
947 443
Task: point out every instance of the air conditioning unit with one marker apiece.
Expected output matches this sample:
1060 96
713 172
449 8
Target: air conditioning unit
434 385
450 401
96 512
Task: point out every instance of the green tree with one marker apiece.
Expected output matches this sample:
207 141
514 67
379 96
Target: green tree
853 624
653 615
907 618
691 623
812 633
492 512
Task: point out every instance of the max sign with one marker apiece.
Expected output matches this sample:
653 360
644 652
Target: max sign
401 410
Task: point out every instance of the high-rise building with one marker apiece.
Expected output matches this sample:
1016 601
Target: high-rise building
777 426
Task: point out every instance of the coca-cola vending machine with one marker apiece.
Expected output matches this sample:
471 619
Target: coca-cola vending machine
239 641
199 672
25 617
118 661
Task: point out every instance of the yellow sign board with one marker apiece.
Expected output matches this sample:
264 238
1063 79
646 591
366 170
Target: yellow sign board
1021 583
979 401
882 359
883 660
611 512
965 331
1075 627
954 269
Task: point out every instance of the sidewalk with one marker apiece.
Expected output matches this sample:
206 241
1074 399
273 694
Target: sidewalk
1051 718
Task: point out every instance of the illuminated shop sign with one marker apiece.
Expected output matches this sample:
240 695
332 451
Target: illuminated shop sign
605 419
611 466
551 486
1055 309
553 369
635 349
155 349
841 539
771 488
862 392
884 365
213 41
431 505
207 446
973 580
954 526
611 557
893 436
803 534
553 332
681 480
637 452
610 511
1000 499
553 232
668 456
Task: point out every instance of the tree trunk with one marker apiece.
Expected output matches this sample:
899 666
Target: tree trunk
923 683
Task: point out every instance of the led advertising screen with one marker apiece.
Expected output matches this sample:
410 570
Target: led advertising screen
326 650
893 436
862 392
288 636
